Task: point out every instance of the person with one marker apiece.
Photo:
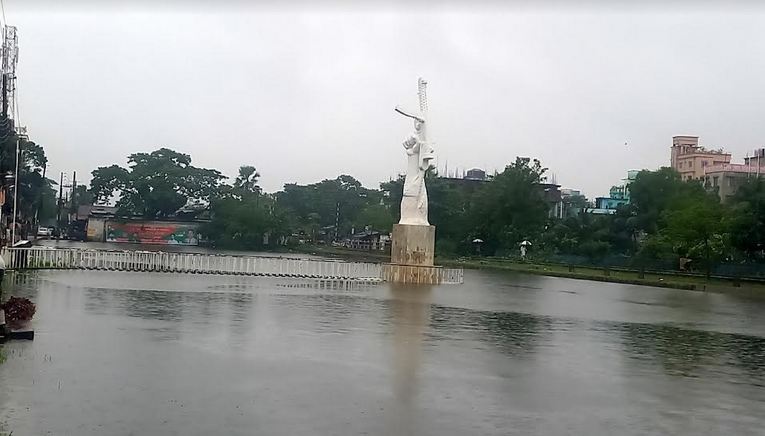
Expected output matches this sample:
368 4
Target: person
191 238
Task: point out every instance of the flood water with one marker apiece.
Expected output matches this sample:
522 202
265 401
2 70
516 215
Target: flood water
163 354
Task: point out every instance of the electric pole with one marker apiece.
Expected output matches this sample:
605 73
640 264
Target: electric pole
58 212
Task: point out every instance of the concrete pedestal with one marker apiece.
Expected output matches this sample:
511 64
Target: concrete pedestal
412 245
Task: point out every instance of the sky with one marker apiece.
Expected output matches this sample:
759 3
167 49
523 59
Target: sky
306 91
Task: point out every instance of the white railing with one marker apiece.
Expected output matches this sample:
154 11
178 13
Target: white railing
71 258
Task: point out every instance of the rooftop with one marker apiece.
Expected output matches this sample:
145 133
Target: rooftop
730 168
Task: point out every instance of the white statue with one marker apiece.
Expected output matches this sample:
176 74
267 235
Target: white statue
419 152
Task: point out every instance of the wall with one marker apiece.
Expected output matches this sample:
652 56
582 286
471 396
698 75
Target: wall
152 232
143 232
95 229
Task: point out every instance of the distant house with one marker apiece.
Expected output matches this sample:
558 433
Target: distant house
368 240
618 195
691 160
475 174
552 196
726 178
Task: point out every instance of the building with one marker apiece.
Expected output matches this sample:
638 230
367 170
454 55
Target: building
618 195
725 179
470 180
572 203
475 174
552 196
690 159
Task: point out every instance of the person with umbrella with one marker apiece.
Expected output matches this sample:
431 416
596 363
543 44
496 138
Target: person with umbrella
524 247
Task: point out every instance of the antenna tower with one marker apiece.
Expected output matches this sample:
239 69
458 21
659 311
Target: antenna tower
10 58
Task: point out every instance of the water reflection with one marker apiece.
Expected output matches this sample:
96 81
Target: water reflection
510 332
241 318
139 303
410 318
692 353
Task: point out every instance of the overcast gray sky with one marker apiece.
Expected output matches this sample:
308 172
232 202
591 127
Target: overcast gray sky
306 94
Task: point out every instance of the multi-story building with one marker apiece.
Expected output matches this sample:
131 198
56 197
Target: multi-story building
618 195
725 179
690 159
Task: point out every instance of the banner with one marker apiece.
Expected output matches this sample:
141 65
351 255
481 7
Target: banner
152 233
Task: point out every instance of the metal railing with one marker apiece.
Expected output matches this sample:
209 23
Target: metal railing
157 261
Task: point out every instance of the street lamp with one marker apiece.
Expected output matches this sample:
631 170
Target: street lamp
19 137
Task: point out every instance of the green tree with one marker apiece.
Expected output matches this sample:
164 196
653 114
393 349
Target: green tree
243 217
35 191
247 180
156 184
449 210
695 229
653 192
747 218
377 216
321 205
511 207
245 223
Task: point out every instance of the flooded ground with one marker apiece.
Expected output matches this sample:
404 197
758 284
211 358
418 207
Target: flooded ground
149 354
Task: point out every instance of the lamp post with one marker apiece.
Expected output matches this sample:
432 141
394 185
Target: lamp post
6 181
16 186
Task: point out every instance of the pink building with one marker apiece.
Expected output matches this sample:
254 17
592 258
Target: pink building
690 159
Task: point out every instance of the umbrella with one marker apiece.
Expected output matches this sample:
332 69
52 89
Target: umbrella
526 243
477 241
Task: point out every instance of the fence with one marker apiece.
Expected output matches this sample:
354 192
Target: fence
751 271
366 245
49 258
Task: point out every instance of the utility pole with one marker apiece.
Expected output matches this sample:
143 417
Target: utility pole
71 198
337 220
40 199
16 189
58 212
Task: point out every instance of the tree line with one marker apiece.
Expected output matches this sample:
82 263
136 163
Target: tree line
36 196
667 217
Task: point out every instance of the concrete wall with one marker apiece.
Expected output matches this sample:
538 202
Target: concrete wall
143 231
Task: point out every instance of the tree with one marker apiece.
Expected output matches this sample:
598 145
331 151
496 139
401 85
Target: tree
35 191
653 192
376 216
247 180
243 217
449 211
695 229
245 223
747 218
156 184
511 207
332 204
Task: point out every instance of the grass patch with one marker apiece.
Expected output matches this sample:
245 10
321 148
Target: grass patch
617 275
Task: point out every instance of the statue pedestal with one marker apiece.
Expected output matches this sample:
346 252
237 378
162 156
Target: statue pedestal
411 252
412 245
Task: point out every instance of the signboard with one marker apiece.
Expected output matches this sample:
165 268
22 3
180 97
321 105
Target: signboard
152 233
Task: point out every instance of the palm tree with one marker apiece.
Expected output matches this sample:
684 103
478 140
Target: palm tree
247 180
